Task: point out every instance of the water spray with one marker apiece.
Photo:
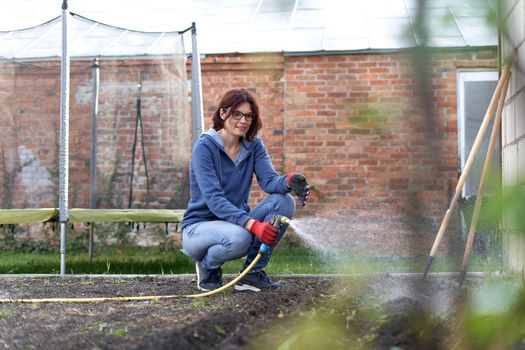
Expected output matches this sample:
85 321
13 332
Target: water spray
277 221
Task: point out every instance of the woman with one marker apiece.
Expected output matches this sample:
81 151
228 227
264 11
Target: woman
218 224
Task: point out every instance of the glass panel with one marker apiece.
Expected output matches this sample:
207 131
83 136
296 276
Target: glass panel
477 32
390 32
309 19
386 9
348 25
272 21
477 95
311 4
304 40
238 14
271 6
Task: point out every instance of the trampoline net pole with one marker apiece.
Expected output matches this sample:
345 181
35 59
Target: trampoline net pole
64 139
196 86
93 162
93 158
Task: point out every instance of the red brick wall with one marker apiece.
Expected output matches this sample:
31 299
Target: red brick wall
381 163
374 151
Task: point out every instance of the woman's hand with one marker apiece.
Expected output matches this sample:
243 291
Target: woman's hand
298 184
266 232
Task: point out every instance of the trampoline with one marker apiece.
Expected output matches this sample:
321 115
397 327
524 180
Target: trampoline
162 88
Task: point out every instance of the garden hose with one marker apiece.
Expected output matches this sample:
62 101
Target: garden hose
277 221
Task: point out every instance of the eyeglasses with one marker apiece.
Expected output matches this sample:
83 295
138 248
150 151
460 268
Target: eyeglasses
237 115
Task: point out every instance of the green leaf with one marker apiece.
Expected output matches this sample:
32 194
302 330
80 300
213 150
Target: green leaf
219 329
119 332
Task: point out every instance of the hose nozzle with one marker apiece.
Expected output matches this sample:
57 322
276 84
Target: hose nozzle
277 221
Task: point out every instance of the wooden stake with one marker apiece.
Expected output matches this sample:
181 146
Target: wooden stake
468 164
484 175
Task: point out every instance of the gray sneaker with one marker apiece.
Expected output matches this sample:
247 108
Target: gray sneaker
208 279
256 282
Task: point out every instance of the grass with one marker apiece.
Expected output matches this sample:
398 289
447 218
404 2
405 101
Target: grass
285 261
128 261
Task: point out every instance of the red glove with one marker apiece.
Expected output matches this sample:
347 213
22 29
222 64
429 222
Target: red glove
266 232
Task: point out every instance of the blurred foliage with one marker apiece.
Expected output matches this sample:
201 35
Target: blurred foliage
45 238
16 238
510 207
493 318
489 315
351 316
374 118
339 320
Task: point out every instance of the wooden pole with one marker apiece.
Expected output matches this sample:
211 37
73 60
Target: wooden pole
468 165
484 175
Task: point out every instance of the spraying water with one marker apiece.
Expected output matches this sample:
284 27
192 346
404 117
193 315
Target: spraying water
314 234
307 237
339 240
323 234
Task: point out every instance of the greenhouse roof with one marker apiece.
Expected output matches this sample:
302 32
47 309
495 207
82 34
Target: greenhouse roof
31 28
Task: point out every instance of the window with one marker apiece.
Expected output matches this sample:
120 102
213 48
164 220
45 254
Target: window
475 90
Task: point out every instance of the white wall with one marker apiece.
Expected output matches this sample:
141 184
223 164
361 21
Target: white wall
513 129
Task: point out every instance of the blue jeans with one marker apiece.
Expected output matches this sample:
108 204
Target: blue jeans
214 242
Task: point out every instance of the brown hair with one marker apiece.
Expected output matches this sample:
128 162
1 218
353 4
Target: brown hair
230 101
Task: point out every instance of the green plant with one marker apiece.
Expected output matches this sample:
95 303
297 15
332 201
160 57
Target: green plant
5 313
119 332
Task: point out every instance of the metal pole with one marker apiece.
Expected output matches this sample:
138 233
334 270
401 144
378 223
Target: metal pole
196 88
93 164
64 139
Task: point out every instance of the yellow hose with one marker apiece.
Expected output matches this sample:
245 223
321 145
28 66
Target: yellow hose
142 298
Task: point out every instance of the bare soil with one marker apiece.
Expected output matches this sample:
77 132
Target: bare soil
226 320
363 312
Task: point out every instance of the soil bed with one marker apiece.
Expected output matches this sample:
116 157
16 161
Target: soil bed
230 320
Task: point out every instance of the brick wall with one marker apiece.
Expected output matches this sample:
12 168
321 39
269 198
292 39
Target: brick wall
374 146
382 163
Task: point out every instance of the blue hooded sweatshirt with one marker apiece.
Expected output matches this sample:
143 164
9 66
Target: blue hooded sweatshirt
220 187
